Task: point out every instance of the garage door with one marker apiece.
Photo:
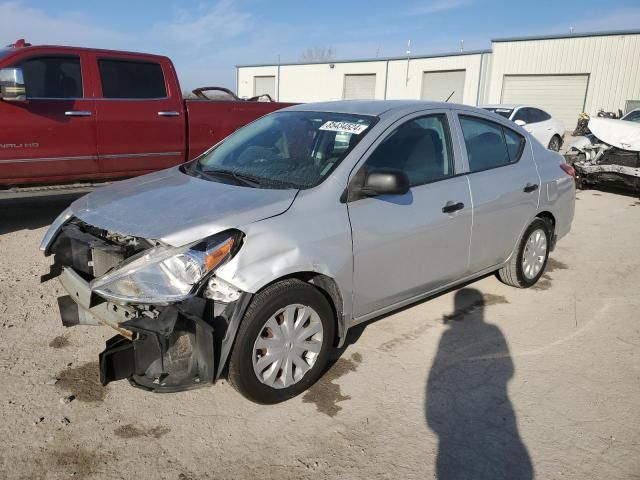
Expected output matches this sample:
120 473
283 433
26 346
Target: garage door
563 96
359 87
262 85
438 86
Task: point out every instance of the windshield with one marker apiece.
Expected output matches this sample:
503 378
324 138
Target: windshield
633 116
284 149
504 112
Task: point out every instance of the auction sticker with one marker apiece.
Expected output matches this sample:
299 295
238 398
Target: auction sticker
349 127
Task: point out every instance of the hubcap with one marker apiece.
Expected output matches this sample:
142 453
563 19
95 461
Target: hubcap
535 252
287 346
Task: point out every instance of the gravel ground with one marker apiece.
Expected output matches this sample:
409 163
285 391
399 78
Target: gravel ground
485 382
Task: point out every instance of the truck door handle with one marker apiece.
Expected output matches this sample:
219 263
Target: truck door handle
451 207
169 114
78 113
530 188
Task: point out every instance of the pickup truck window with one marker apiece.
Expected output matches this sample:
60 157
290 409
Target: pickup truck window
284 150
129 80
52 77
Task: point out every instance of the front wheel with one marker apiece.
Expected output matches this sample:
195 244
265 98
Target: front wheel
283 342
527 265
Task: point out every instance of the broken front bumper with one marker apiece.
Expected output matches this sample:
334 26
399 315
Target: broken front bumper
184 346
617 175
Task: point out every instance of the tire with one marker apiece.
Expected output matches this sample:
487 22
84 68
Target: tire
277 303
515 273
555 143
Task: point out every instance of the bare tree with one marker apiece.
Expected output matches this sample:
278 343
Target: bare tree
318 54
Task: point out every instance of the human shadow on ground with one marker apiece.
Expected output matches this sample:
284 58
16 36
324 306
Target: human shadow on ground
467 402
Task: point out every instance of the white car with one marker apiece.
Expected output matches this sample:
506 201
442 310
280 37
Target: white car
547 130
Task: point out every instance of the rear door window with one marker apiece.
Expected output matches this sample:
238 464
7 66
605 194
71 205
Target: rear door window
488 144
540 115
130 79
52 77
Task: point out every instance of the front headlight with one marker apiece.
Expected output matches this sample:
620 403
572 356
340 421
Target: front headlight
165 275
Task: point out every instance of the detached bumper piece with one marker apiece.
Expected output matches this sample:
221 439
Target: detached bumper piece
170 353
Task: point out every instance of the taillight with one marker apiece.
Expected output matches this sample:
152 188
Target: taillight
568 169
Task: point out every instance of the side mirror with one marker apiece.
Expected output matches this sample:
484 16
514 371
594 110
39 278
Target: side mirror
522 123
12 88
385 181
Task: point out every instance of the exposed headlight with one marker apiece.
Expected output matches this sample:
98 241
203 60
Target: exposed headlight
165 275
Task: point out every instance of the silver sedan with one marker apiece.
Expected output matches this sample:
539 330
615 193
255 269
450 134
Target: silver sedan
255 259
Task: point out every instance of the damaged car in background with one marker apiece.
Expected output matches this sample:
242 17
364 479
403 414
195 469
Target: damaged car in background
252 261
608 154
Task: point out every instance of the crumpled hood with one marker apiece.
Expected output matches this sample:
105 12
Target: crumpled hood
176 208
619 133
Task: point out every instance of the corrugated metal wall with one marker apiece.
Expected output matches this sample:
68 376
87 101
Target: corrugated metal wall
399 88
322 82
612 62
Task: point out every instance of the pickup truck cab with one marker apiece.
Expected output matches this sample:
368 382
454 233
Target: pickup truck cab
72 115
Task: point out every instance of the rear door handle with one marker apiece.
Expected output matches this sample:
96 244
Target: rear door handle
169 114
78 113
530 188
451 207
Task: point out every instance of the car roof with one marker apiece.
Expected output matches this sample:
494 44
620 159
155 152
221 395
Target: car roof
512 106
65 48
375 107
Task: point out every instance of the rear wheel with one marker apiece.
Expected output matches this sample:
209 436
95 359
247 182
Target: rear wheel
527 266
555 143
283 343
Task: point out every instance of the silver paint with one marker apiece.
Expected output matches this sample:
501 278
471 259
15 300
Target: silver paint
381 253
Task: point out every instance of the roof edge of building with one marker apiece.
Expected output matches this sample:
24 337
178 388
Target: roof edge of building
362 60
606 33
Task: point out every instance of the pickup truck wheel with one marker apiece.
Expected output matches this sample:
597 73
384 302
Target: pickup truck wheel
283 342
527 266
555 143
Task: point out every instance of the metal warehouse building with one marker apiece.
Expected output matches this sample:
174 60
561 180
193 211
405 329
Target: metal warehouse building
564 74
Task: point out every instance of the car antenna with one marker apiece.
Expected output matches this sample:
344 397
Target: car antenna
449 97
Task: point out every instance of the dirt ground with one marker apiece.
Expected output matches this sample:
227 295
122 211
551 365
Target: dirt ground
485 382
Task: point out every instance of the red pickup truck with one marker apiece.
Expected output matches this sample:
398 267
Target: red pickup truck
70 115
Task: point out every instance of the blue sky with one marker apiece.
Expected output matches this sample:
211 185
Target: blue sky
205 39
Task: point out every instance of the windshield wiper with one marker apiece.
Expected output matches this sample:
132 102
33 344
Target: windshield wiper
241 177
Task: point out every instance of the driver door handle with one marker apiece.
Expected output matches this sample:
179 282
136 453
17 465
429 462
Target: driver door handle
530 188
169 114
451 207
78 113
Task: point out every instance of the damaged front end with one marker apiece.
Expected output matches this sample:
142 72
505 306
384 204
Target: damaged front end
175 320
609 154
